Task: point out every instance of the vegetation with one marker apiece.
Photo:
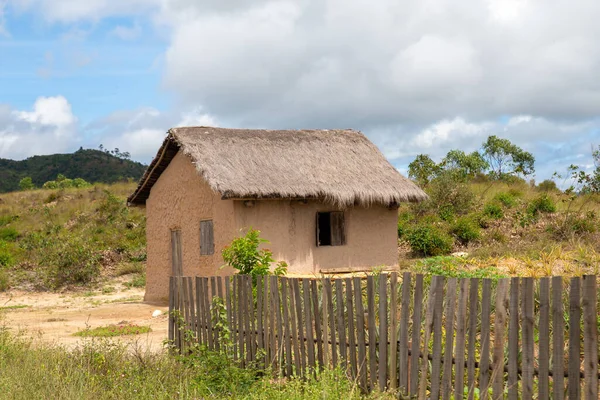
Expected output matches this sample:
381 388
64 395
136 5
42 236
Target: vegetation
113 330
480 204
244 255
95 166
70 236
102 369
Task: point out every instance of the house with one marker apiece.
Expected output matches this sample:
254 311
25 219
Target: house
325 199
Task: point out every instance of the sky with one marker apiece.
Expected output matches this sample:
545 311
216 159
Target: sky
416 76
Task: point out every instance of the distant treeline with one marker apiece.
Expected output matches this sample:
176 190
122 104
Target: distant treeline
86 164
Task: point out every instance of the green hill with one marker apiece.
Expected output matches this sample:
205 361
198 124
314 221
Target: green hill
91 165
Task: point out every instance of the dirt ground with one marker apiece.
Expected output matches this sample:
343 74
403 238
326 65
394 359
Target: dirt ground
55 317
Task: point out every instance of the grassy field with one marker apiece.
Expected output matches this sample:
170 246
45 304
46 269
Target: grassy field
101 369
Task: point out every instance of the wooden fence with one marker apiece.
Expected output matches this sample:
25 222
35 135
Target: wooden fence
428 337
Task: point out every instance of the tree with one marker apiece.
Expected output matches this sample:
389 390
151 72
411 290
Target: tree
505 158
423 169
464 165
26 183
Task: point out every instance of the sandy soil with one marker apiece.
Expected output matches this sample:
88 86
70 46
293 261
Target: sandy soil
55 317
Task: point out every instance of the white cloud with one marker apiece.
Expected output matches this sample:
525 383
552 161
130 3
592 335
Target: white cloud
127 32
3 30
48 128
77 10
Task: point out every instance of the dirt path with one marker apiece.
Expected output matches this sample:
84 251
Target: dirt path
55 317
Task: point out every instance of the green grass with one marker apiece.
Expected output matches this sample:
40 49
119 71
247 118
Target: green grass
114 330
15 307
103 369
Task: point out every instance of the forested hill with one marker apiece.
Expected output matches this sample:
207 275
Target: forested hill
91 165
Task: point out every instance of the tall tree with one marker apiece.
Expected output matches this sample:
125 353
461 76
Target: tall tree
506 158
464 165
423 169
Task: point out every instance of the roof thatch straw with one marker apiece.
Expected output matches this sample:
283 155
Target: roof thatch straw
338 166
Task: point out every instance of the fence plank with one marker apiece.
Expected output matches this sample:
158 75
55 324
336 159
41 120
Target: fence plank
199 311
234 315
436 349
473 313
317 319
499 328
527 338
590 337
286 325
186 308
360 335
558 327
450 312
393 373
274 351
513 341
383 332
171 309
459 345
192 305
227 304
351 328
341 324
544 340
484 361
330 314
372 332
179 314
298 300
213 293
402 357
310 342
325 323
295 332
279 322
416 335
260 338
266 313
574 382
429 317
251 318
207 318
247 317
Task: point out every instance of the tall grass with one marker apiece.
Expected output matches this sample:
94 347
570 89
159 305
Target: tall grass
102 369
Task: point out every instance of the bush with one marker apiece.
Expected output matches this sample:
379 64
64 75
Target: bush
493 210
506 199
429 240
466 230
453 267
26 184
6 257
450 197
547 185
542 204
71 261
8 234
244 255
4 281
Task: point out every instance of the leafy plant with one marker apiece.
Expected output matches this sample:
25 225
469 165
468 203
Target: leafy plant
4 280
429 240
493 210
8 234
466 230
244 255
26 183
114 330
543 203
507 199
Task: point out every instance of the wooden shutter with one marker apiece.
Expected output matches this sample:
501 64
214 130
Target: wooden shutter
207 242
338 229
176 254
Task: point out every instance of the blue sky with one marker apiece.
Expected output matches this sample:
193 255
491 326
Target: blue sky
416 77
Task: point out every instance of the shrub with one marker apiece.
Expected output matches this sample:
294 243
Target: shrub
4 281
7 219
244 255
547 185
493 210
450 197
429 240
466 230
8 234
453 267
6 257
71 261
114 330
542 204
26 183
506 199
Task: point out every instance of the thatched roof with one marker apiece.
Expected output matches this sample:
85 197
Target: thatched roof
340 166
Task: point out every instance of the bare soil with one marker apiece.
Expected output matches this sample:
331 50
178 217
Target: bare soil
54 317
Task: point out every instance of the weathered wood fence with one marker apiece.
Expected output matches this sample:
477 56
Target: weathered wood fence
431 337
